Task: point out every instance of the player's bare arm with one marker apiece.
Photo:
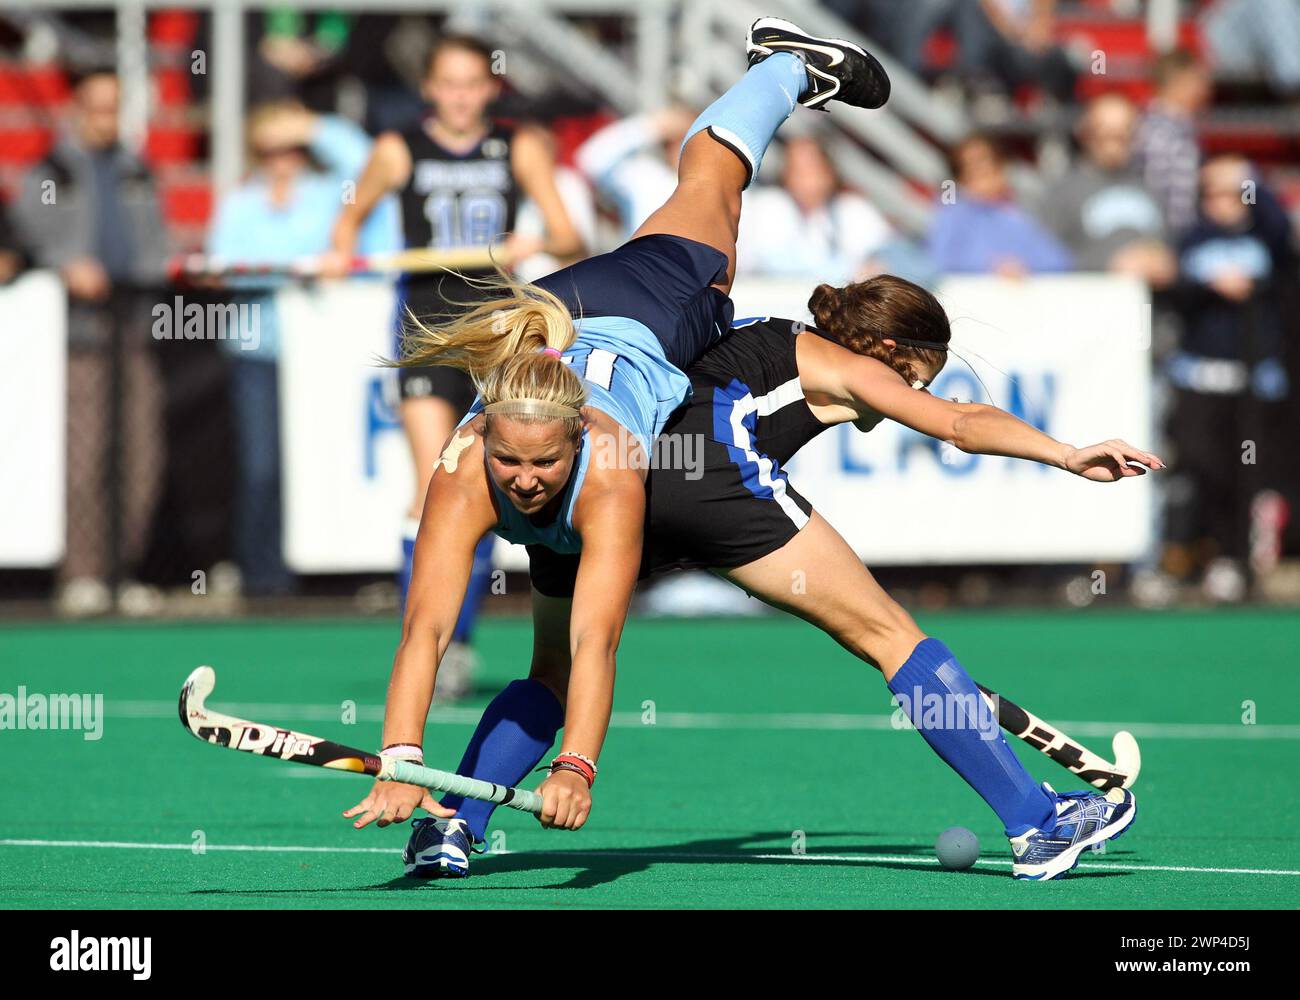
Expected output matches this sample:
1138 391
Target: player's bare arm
457 511
386 170
862 387
610 517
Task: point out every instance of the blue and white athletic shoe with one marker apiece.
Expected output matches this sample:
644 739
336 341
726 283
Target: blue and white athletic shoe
837 69
438 848
1083 820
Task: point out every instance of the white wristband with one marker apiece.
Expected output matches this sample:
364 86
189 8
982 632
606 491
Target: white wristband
404 751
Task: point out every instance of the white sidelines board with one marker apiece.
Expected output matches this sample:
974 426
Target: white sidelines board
1069 354
1076 356
347 469
33 421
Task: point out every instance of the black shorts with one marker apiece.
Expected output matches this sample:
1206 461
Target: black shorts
435 298
719 506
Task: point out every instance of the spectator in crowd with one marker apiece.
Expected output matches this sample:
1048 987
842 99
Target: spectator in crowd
90 211
1255 39
1165 147
1001 44
13 255
632 163
292 48
1228 374
284 211
371 62
809 226
1100 209
980 228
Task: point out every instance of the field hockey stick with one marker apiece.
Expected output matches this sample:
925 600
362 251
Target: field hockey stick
272 741
201 266
1070 754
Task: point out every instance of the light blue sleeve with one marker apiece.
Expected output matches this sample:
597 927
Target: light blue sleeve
340 146
233 218
941 239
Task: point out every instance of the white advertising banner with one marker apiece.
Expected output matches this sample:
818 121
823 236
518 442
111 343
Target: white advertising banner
33 421
347 469
1070 355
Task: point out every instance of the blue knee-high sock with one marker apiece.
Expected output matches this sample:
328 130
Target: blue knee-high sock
480 577
746 117
409 530
951 715
517 728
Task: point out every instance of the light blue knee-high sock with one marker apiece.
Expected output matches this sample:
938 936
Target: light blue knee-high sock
949 712
746 117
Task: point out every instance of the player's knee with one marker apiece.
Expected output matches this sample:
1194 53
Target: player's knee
885 631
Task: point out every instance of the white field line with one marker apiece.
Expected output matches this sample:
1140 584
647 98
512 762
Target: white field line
271 712
577 856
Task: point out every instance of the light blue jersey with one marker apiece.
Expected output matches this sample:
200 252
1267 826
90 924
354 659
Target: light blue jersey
627 377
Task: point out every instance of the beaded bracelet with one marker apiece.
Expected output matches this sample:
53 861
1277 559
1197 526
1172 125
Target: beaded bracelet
575 767
576 762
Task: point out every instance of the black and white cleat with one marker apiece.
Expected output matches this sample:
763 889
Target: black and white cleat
837 70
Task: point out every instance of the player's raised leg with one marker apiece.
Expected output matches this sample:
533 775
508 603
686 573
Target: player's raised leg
724 147
838 594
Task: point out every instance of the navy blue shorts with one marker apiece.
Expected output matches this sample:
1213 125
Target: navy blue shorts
662 281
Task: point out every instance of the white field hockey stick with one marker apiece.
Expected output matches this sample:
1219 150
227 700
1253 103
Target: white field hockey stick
1070 754
200 266
272 741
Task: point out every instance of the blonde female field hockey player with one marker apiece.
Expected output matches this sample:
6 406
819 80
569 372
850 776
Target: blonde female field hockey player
758 396
576 375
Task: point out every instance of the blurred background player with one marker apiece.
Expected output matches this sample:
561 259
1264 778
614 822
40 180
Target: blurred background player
460 177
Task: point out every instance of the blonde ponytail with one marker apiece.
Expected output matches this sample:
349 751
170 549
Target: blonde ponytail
510 347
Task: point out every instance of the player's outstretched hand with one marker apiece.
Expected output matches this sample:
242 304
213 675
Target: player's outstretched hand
566 801
1111 461
394 802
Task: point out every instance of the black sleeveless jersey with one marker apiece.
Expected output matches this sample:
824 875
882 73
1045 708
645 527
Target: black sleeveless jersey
458 201
758 358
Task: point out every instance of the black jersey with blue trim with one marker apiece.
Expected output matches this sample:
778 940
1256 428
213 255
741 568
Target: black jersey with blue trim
458 200
757 359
